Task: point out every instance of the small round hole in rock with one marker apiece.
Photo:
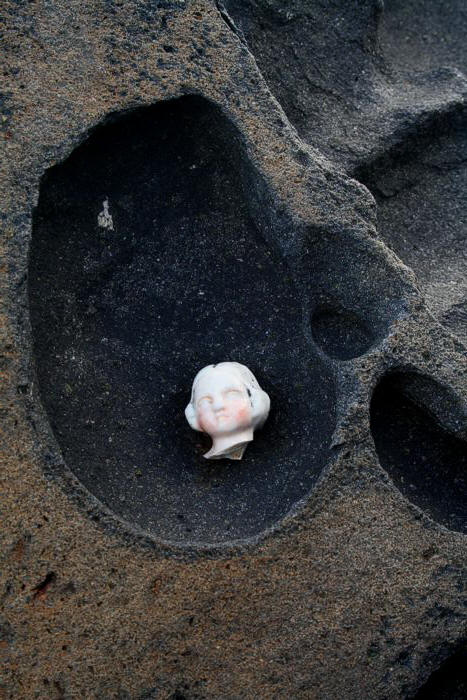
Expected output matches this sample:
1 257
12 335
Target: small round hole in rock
340 333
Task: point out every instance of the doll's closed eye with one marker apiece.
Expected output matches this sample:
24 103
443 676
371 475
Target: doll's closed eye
204 399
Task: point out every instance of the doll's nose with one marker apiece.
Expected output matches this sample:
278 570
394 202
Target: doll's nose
218 403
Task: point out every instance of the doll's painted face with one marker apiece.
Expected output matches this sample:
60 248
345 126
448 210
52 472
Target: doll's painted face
222 404
228 404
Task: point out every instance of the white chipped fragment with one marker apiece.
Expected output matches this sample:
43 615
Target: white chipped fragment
104 218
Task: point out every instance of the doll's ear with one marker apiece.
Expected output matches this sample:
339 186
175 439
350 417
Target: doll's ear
191 417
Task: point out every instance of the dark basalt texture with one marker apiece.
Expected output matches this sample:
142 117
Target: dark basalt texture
422 215
285 184
321 61
418 36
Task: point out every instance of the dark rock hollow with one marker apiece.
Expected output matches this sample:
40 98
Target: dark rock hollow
189 270
124 317
426 463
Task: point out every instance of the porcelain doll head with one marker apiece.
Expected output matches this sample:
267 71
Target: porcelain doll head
228 404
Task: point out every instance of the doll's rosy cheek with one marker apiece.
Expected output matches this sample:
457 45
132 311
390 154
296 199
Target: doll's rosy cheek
243 413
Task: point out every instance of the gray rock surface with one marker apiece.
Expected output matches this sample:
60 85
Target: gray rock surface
382 92
338 573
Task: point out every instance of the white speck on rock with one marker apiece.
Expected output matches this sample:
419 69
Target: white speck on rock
104 218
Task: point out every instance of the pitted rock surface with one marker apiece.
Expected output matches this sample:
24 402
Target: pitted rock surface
151 176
